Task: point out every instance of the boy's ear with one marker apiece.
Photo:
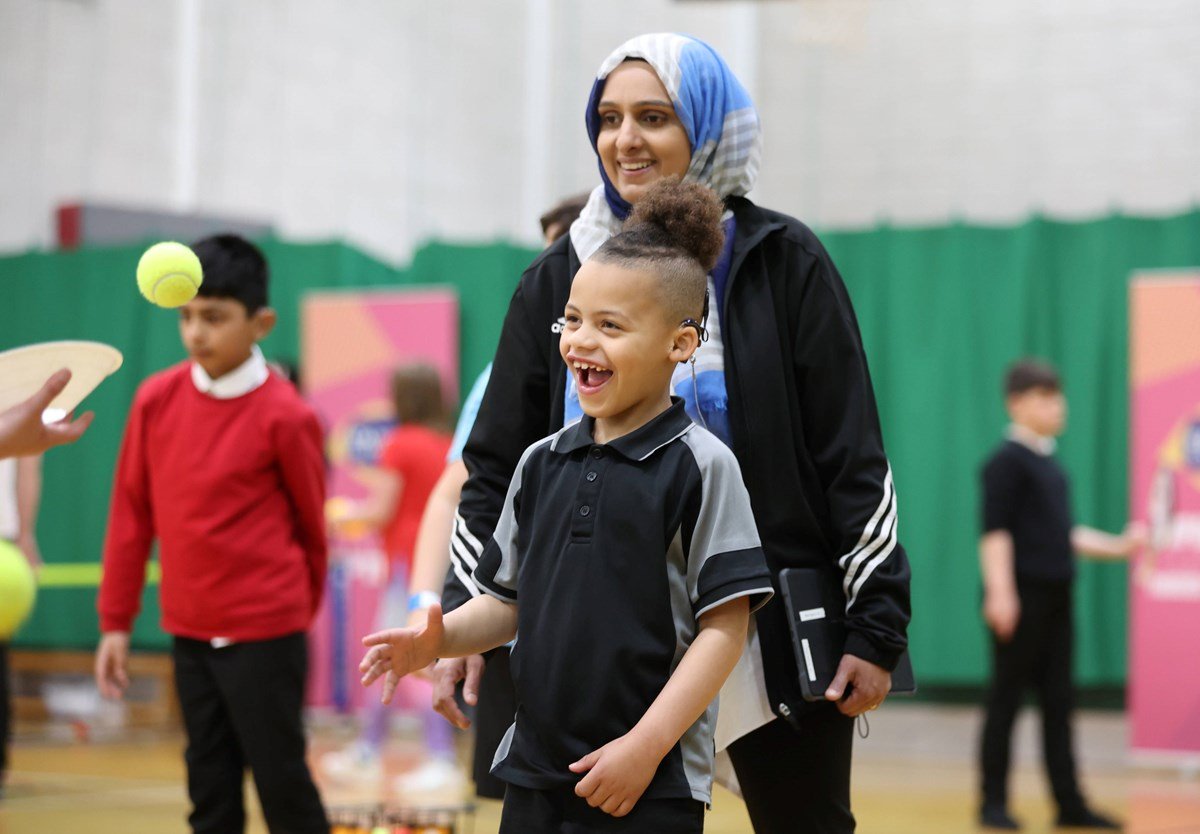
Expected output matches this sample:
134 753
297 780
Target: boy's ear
684 343
264 322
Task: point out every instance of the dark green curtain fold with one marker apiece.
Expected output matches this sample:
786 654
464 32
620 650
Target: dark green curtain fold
942 310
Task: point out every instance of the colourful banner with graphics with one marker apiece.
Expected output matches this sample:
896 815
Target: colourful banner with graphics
350 344
1164 375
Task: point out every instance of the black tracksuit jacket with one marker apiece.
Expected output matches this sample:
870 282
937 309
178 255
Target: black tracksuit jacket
804 424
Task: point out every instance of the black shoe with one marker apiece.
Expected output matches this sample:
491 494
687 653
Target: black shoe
1087 818
996 816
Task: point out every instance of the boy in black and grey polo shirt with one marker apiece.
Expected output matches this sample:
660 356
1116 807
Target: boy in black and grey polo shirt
626 559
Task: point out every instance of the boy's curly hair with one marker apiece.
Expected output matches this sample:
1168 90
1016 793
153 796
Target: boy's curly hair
674 231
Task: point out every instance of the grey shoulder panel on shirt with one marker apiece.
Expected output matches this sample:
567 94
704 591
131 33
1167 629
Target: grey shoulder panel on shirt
726 522
724 553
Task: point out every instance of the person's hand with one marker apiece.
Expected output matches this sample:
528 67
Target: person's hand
416 619
27 544
396 652
1002 612
1144 566
446 675
1143 571
1134 538
868 685
22 432
112 664
617 774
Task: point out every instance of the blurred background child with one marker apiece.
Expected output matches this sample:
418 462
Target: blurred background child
1027 556
410 464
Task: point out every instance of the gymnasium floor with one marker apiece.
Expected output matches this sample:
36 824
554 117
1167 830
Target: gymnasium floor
914 775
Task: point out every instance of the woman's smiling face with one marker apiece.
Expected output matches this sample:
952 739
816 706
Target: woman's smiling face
641 140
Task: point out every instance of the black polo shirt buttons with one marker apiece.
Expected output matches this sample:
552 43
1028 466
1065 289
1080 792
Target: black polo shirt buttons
572 571
593 462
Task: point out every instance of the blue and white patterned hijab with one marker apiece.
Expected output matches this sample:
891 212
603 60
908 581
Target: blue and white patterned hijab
716 111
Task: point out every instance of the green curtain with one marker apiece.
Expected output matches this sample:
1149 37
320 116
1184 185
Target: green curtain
943 311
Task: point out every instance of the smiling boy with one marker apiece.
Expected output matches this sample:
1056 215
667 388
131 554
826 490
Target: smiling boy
626 560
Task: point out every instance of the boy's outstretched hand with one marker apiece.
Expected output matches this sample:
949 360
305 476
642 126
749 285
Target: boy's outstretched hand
617 774
396 652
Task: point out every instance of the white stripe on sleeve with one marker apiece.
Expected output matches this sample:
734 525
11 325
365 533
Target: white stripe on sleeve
875 545
460 527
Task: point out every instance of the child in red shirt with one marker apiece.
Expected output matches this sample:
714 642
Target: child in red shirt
410 463
413 457
222 463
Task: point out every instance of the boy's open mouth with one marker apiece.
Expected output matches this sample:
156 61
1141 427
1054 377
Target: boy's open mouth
590 377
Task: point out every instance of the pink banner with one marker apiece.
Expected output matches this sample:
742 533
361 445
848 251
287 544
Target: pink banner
1164 378
350 344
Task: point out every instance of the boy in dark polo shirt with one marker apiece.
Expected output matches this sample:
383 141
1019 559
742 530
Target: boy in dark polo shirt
626 560
1027 556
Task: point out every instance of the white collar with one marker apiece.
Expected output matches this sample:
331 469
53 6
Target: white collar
243 379
1031 440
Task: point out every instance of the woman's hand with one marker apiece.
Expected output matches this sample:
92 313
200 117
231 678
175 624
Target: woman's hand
446 675
868 685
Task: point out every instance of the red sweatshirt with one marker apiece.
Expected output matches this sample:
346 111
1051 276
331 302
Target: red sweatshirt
234 490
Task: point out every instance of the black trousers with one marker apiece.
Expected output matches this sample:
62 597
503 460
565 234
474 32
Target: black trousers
560 811
242 708
797 780
1038 656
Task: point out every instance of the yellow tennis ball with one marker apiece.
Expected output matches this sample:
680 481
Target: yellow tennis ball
17 589
169 274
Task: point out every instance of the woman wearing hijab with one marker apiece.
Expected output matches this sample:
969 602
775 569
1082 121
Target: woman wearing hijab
782 380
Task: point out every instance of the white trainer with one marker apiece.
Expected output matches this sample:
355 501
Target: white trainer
355 764
437 780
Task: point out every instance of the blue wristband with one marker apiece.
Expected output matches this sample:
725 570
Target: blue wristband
422 599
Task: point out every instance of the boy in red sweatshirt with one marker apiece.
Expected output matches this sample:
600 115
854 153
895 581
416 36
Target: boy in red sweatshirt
222 463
